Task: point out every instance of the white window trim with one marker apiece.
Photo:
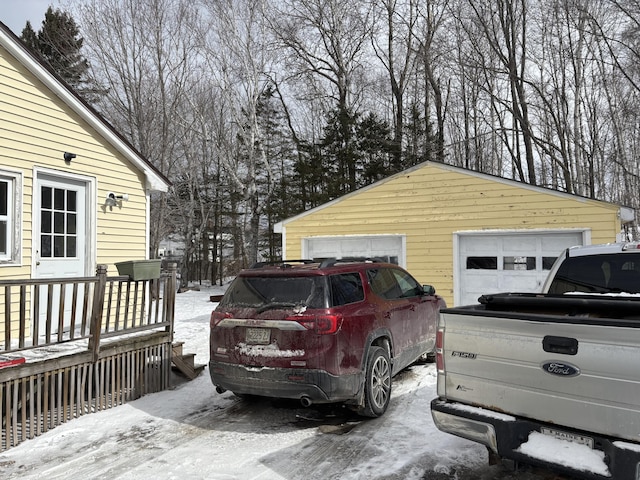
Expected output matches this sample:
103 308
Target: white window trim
14 214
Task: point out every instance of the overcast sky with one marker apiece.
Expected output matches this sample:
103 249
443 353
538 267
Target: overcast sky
15 13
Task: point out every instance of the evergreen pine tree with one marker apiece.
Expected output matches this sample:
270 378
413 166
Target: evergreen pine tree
58 44
29 37
376 145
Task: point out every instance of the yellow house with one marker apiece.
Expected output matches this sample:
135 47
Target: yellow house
464 232
73 192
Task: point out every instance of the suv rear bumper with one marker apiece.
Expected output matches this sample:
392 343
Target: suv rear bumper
505 435
316 385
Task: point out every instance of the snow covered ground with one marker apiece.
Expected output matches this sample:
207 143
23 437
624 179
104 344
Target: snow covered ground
191 432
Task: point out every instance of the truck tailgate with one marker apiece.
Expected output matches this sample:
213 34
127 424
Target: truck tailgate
524 366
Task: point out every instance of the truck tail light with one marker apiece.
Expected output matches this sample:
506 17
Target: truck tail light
320 324
439 349
217 317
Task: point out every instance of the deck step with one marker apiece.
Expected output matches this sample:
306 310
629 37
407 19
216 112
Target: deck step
176 348
185 362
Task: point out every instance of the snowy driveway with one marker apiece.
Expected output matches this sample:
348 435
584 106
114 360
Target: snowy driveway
191 432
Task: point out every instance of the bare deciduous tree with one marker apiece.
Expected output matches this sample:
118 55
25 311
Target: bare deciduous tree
393 43
504 26
141 51
241 61
326 41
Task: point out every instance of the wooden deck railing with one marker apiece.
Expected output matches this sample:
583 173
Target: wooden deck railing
40 313
87 343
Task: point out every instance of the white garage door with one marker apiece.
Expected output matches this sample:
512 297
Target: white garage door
388 247
507 262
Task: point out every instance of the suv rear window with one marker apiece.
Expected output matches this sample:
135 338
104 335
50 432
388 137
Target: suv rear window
310 291
288 291
598 273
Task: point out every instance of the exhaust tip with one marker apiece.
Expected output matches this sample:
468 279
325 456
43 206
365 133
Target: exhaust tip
219 389
305 401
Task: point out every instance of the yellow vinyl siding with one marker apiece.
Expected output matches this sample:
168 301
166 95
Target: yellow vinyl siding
36 127
430 203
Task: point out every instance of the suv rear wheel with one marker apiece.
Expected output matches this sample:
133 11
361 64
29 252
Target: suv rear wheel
377 389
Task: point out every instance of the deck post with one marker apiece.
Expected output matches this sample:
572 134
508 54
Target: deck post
170 297
96 312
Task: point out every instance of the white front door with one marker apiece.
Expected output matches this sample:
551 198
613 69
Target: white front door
59 243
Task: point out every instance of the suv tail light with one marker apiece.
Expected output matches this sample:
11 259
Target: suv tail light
217 317
320 324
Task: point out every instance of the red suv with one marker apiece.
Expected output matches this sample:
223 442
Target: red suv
321 332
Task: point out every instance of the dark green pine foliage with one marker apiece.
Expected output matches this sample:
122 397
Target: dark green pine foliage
29 37
58 44
281 197
355 151
416 134
376 147
310 177
340 157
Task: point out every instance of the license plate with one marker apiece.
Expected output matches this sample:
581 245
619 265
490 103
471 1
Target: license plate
260 336
570 437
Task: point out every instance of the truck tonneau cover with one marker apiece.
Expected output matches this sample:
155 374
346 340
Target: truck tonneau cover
612 310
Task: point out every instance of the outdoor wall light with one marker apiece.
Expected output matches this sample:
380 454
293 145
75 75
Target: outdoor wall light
69 156
113 199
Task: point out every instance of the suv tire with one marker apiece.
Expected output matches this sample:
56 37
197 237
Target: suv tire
377 388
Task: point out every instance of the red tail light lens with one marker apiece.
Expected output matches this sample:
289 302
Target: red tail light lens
439 350
320 324
217 317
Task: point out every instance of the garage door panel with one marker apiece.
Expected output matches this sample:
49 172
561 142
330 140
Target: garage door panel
559 242
479 282
352 249
488 245
519 245
384 246
523 282
509 261
324 249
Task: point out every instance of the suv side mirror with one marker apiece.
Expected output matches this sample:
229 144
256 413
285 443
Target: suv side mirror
429 289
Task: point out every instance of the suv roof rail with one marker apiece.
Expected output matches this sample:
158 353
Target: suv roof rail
329 262
323 262
282 263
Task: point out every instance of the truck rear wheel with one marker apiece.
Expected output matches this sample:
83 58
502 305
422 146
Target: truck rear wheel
377 389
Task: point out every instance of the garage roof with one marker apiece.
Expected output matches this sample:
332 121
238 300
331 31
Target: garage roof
627 214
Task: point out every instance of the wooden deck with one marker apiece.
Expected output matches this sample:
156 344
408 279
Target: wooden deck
100 342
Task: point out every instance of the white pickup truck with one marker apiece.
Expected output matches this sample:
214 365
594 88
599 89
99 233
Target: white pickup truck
550 379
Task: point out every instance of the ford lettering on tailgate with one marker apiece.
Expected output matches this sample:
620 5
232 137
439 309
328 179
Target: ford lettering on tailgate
561 369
